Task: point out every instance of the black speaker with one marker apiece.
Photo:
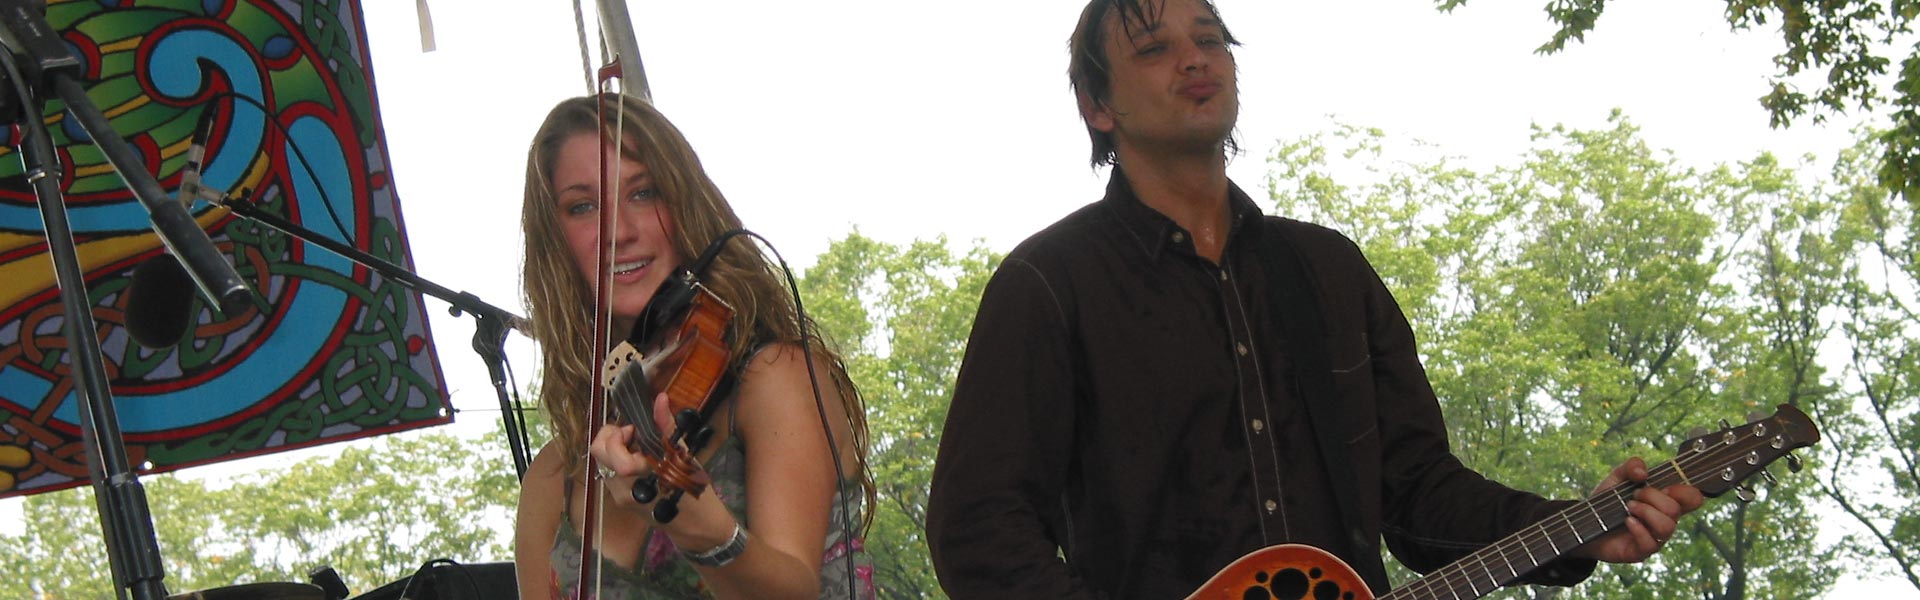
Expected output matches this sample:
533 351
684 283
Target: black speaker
453 581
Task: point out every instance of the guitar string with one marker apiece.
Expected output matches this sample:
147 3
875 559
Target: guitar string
1451 577
1619 492
1616 514
1615 509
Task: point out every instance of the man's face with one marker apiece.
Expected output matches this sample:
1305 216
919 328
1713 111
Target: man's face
1174 86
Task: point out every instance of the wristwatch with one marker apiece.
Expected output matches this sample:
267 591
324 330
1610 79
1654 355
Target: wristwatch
720 555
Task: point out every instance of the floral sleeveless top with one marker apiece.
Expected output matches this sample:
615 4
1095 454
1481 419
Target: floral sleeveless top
663 573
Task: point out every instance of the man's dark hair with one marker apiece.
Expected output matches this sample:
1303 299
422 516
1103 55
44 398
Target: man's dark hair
1089 70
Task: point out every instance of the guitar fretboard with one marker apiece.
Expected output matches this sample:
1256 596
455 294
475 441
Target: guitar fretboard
1513 557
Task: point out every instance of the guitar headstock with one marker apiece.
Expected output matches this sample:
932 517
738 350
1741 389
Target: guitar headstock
1719 462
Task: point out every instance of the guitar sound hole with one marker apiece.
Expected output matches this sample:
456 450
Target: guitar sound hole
1288 584
1326 590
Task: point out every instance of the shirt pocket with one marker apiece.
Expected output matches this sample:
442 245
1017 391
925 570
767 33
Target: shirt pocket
1352 365
1353 384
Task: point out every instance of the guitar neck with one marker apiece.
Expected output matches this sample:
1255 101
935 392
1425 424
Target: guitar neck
1505 561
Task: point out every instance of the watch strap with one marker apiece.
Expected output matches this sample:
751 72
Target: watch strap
720 555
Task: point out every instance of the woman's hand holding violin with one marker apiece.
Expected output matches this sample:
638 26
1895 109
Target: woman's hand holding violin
703 521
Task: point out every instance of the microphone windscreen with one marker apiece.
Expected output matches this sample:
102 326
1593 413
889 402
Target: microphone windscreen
159 302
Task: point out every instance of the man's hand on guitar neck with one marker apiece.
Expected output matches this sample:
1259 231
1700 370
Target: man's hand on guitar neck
1653 516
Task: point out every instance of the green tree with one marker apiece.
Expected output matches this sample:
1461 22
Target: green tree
1573 310
375 511
903 314
1875 429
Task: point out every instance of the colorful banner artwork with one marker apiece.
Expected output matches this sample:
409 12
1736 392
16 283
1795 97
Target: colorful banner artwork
329 351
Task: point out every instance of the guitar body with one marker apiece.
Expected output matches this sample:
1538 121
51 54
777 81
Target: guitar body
1285 572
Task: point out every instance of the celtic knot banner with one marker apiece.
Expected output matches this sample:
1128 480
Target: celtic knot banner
328 351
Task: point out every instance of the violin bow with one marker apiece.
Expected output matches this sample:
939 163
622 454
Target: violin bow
616 30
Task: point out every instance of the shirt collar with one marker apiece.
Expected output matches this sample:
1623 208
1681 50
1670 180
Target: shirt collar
1157 233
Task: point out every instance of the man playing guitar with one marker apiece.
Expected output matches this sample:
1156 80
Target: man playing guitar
1166 379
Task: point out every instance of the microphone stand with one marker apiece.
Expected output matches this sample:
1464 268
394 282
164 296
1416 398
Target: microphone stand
133 550
489 335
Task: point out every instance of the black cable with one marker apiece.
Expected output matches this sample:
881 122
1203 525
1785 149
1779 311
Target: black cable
305 165
412 587
820 405
30 123
467 574
519 411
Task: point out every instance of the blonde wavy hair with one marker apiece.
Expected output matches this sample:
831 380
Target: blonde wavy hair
560 299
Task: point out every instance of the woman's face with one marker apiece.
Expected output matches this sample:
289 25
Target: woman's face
643 253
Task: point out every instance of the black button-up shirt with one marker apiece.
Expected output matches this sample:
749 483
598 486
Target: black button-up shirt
1128 405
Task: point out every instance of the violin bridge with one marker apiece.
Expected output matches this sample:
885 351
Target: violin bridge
617 362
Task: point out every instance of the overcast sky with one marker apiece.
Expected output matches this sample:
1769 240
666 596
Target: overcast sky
911 120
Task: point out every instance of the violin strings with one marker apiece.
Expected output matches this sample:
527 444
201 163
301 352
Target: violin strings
631 399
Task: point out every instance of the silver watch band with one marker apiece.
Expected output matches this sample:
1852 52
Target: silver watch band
720 555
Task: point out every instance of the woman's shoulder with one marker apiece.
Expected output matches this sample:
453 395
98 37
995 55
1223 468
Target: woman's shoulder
777 366
546 472
777 379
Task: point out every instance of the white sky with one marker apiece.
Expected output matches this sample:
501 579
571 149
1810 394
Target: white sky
916 119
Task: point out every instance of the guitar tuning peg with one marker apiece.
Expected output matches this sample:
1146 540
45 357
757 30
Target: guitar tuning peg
1725 425
1755 416
1793 463
1768 475
1696 432
1744 493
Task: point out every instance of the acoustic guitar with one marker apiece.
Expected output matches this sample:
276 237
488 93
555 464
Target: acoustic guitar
1715 463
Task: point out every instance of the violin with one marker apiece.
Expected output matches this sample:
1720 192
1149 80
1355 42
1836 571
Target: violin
678 347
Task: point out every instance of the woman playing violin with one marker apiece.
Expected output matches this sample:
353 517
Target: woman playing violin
777 530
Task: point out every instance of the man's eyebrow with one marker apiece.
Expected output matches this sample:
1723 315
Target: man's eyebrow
1151 30
1145 31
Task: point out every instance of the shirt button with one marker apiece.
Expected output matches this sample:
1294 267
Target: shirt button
1223 275
1179 237
1241 348
1259 426
1272 506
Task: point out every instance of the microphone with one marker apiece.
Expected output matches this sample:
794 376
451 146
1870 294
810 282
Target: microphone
160 294
190 188
159 302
